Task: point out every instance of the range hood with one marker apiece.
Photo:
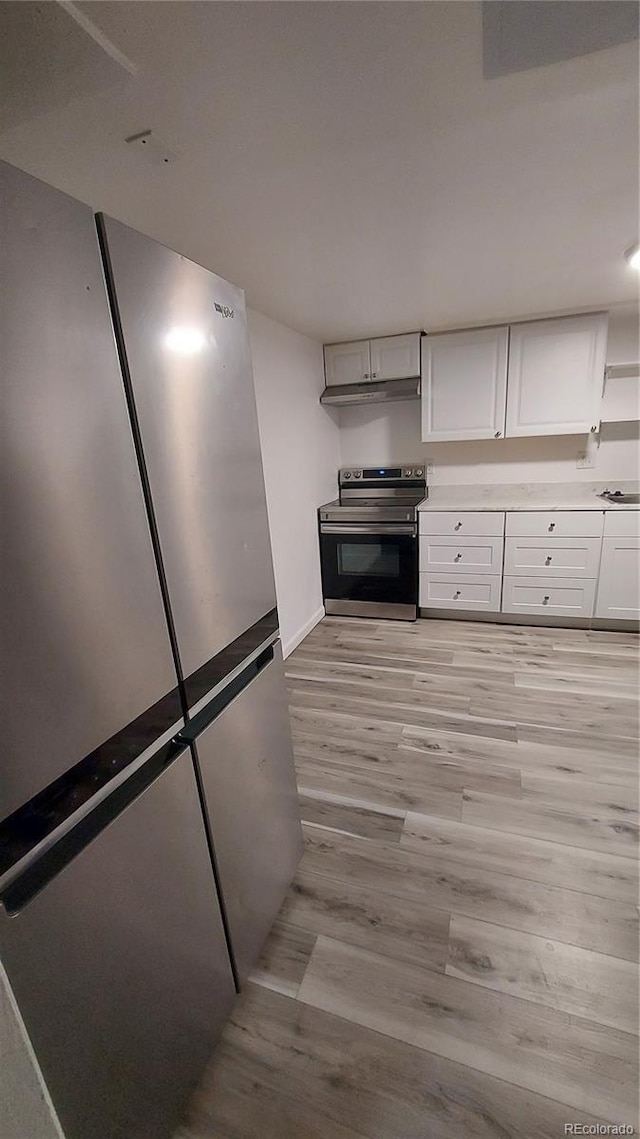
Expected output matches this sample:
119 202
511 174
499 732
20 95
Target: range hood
382 391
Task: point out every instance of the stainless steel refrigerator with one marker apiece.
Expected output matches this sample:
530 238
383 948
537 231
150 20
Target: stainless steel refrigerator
148 813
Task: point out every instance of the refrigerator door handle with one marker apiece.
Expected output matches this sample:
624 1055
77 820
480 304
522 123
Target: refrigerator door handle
212 677
20 886
224 697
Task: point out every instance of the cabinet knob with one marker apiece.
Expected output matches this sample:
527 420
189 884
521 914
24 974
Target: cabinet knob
545 599
552 525
365 376
457 525
547 561
457 557
497 434
594 428
374 375
456 595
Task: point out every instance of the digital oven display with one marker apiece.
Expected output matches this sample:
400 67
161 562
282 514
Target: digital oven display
382 472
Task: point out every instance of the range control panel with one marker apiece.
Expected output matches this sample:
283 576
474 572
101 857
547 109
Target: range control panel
410 474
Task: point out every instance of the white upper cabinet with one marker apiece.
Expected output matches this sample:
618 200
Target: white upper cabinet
395 357
556 371
540 378
464 384
347 363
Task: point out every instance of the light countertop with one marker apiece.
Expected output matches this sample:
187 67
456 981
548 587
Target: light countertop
528 496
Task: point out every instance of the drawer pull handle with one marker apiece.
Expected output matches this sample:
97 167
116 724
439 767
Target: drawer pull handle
545 599
456 595
457 525
547 561
552 525
457 557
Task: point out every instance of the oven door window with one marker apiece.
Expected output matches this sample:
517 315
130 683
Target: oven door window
370 567
377 559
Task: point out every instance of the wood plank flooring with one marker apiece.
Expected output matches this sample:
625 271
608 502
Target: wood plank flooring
457 956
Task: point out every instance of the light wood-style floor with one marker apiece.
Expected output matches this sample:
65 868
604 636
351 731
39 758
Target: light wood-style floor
456 958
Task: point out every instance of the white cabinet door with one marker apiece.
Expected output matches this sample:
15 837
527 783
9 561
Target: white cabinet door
464 381
395 357
556 370
347 363
622 523
619 586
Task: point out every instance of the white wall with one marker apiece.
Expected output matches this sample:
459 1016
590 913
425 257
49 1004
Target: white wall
301 455
378 434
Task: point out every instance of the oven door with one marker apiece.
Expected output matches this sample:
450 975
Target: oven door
370 570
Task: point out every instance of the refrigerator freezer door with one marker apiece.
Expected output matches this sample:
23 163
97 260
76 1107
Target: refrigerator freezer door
121 971
245 762
84 643
183 331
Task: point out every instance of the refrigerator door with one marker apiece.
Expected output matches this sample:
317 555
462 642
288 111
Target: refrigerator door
245 764
83 637
120 967
183 338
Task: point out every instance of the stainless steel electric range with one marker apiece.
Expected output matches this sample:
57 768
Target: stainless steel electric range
369 542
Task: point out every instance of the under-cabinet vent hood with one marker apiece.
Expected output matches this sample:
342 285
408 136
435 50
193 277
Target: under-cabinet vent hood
382 391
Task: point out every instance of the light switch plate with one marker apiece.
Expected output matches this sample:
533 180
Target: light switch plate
584 460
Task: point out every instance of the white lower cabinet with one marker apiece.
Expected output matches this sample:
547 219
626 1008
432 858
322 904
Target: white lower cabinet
466 554
555 563
619 585
462 523
555 524
554 596
554 574
552 557
460 591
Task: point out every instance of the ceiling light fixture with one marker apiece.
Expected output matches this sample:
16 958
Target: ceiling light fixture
633 256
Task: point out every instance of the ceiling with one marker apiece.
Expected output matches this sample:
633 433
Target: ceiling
348 165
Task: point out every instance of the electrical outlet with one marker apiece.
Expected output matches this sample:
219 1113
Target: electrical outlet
428 468
584 461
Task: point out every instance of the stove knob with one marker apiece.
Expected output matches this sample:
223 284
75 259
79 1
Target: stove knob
357 474
419 474
408 474
347 474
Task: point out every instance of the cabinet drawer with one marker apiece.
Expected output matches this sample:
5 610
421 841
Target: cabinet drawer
560 597
478 523
460 591
559 523
552 557
621 523
461 555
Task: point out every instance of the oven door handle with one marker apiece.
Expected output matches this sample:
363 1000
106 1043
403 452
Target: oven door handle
380 530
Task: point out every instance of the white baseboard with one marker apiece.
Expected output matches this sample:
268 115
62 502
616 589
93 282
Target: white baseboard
294 641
